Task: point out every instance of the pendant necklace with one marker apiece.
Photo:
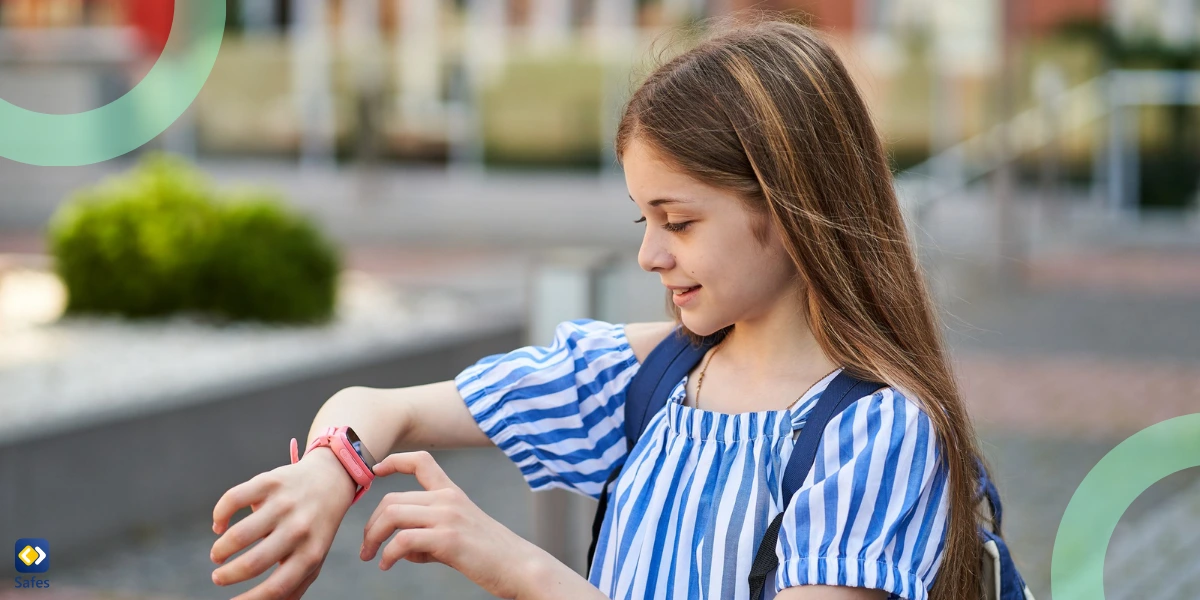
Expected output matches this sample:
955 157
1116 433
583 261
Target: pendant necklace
700 381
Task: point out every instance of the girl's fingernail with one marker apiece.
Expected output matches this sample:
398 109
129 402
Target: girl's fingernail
216 578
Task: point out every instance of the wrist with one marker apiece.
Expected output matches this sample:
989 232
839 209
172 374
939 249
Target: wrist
543 576
326 461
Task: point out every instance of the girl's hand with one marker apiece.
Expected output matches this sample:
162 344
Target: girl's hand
441 524
297 510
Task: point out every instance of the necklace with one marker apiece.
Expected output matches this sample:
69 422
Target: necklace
700 380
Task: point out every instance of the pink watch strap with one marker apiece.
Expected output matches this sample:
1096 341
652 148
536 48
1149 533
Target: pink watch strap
323 440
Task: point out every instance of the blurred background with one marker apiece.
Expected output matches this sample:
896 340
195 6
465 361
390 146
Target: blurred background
380 192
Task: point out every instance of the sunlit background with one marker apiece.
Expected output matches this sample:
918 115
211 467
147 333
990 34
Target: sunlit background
447 168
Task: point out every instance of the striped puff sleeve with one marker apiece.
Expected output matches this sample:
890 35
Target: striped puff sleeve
872 511
557 411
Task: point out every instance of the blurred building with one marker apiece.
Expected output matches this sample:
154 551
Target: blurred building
151 19
869 15
541 81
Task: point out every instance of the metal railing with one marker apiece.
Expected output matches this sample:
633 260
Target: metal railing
1059 112
1009 232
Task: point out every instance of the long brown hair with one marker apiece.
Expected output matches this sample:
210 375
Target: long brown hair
767 110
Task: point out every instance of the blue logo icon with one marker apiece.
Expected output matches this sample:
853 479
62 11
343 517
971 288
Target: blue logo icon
32 555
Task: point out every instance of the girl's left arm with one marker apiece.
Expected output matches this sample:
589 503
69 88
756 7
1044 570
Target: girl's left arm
441 524
552 580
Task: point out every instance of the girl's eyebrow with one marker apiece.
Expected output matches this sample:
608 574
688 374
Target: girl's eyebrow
660 201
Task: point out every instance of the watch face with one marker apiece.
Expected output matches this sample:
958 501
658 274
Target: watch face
360 448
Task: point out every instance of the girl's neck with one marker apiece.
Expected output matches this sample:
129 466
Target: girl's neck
773 348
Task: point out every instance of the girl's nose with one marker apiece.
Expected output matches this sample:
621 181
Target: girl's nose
653 255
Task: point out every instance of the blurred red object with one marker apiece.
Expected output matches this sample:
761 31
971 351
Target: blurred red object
152 19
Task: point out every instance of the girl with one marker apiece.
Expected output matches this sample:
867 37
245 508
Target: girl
771 218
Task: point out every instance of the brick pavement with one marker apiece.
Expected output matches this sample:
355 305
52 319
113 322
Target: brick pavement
1154 556
1130 270
1045 421
1076 396
1091 350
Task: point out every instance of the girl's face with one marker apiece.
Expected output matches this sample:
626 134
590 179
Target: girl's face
699 235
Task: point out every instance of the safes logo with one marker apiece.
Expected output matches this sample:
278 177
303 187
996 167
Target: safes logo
33 555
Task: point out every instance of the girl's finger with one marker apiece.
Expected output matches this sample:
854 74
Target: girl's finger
429 474
307 582
408 543
415 498
419 557
250 493
278 544
283 581
393 517
243 533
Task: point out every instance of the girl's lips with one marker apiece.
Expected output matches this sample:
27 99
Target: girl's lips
682 299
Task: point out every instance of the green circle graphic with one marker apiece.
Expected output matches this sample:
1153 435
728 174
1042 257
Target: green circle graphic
1077 565
132 120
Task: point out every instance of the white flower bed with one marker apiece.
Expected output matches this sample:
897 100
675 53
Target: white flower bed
65 373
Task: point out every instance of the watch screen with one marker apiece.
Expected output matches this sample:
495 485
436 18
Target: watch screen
360 448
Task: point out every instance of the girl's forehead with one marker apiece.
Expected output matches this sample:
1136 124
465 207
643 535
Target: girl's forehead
644 163
663 188
655 183
665 202
675 192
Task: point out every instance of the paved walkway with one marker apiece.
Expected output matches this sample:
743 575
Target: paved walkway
1057 374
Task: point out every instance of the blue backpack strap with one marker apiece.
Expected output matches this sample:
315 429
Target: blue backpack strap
844 390
988 490
1002 570
664 368
648 392
1011 584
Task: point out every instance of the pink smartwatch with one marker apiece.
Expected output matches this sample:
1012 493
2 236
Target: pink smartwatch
350 451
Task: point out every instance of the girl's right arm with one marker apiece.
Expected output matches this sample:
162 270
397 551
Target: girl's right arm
432 416
422 417
298 508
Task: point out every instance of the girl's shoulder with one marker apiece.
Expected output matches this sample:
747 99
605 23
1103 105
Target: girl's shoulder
895 400
638 338
577 344
643 337
895 413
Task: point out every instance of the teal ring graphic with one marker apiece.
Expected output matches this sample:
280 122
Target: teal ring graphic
133 119
1077 565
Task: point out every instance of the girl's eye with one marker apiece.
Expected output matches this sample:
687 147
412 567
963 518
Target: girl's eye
674 227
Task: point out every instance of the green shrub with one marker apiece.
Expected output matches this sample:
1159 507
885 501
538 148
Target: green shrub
159 240
135 244
270 265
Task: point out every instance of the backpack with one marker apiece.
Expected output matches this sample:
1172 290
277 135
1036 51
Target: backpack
676 356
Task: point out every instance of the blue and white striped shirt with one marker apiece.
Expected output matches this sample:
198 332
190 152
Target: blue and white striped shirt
700 488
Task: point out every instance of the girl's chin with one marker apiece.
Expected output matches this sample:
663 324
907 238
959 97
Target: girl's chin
697 325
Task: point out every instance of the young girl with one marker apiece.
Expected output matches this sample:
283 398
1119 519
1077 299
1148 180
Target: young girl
771 218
